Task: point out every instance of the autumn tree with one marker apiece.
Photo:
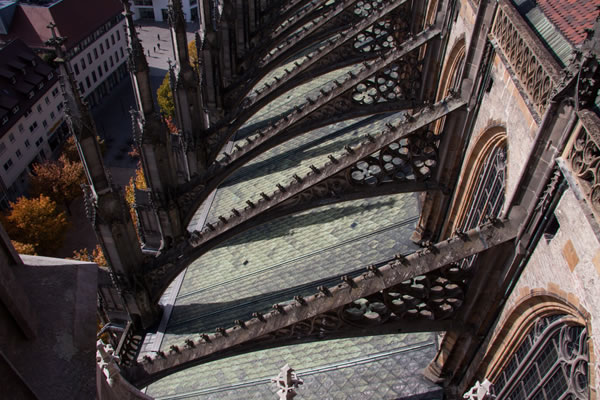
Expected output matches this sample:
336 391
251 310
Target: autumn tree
60 180
69 149
97 256
24 248
137 181
37 222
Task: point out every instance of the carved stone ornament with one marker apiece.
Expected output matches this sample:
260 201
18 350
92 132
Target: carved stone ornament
287 381
585 162
480 391
532 71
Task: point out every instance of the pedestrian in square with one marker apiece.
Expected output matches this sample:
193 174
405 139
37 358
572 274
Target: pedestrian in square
158 45
158 36
154 48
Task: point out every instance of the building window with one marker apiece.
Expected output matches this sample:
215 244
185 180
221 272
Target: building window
55 92
11 137
15 109
101 49
59 106
105 66
39 141
30 95
107 44
83 63
39 108
8 164
100 71
122 54
20 127
33 127
27 144
52 115
89 57
94 76
41 85
118 35
81 90
112 39
87 81
47 100
44 124
2 148
111 61
116 57
18 153
550 363
4 120
488 196
27 113
96 53
76 69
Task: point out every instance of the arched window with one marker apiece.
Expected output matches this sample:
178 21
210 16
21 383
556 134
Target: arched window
488 196
450 78
550 364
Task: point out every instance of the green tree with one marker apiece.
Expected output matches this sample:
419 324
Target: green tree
165 98
193 53
37 222
164 94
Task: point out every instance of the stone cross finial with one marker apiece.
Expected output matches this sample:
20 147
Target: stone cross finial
480 391
287 381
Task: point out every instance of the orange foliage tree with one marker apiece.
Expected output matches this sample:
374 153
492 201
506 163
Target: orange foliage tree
137 181
97 256
60 180
24 248
36 222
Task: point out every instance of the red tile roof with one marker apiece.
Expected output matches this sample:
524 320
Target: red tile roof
74 19
571 17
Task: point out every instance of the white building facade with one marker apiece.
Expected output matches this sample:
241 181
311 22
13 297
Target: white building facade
157 10
99 61
33 138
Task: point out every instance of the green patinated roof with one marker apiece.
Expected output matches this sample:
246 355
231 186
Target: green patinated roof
549 33
381 367
290 256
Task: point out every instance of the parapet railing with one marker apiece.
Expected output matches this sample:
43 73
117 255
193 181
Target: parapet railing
533 65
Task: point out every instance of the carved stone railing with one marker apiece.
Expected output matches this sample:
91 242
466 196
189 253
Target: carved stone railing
535 68
584 159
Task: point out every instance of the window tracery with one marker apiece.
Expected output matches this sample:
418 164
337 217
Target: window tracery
488 196
550 364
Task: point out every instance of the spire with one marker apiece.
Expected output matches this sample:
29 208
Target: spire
105 204
81 123
138 66
179 35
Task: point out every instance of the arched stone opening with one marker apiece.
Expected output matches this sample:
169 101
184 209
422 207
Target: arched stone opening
480 190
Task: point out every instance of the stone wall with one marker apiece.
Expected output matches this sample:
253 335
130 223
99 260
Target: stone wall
567 265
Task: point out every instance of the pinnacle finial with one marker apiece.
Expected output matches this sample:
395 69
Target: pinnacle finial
287 380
